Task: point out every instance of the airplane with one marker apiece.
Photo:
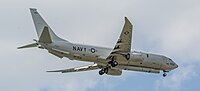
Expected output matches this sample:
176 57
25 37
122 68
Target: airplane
110 61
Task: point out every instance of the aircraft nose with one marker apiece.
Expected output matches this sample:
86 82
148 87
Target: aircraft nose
173 64
176 66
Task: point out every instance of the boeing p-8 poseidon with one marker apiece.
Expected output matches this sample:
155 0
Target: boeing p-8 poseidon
110 61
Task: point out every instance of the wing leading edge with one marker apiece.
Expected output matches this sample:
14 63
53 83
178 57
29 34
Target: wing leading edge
78 69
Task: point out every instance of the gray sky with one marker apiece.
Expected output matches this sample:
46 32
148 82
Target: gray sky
168 27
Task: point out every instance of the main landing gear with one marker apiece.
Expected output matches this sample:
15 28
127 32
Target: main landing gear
113 62
103 71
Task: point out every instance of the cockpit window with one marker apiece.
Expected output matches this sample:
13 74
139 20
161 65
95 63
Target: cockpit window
172 64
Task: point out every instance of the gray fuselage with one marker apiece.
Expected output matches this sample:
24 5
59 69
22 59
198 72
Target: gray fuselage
138 61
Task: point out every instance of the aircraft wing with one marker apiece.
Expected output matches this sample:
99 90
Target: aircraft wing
78 69
123 45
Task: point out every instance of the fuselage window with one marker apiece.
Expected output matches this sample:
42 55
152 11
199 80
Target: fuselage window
167 63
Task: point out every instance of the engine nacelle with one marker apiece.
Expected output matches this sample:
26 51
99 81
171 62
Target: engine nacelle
114 72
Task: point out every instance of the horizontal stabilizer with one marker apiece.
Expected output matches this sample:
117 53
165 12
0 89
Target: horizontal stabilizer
28 46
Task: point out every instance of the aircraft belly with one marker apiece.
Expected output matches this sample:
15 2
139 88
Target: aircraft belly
139 69
82 57
90 59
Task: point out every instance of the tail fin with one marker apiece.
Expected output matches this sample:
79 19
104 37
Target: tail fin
43 28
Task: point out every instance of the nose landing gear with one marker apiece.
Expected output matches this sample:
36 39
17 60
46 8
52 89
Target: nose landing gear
164 74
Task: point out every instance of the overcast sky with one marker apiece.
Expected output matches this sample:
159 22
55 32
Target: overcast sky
167 27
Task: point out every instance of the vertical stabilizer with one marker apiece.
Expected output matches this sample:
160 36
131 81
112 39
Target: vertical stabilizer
41 25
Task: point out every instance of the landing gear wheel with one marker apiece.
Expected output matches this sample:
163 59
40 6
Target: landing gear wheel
127 56
101 72
114 63
105 70
164 74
